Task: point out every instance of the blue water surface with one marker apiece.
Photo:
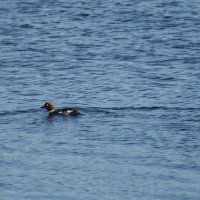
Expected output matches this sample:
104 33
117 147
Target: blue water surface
132 69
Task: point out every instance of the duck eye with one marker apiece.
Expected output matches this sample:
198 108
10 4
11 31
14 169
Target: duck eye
47 104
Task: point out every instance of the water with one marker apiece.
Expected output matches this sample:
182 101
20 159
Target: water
131 68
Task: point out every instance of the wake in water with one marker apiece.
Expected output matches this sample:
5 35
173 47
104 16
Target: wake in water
106 110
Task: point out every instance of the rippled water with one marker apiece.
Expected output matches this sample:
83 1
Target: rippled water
131 68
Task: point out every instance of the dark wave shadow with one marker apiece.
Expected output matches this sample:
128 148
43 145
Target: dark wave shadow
142 108
17 112
104 110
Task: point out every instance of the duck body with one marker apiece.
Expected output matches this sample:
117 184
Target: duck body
65 111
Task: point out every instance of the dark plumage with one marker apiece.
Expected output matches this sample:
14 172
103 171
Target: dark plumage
65 111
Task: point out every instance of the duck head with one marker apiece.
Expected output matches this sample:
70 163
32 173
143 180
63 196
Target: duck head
49 106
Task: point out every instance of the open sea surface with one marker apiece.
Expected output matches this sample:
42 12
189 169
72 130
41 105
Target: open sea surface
132 68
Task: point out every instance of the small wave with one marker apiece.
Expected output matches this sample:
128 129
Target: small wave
105 110
83 14
16 112
132 108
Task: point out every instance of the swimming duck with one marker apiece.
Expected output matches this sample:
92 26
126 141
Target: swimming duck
65 111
